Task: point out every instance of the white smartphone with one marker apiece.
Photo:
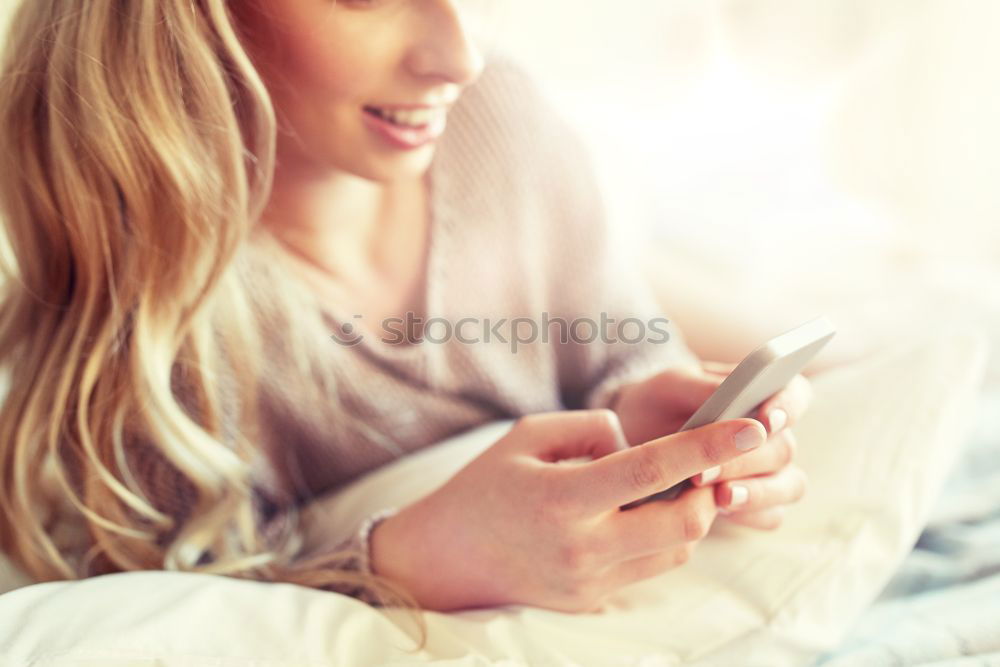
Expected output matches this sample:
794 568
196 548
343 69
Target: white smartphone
763 372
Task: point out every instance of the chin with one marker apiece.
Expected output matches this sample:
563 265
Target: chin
384 168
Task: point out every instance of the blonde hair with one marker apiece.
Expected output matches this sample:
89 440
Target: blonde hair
136 157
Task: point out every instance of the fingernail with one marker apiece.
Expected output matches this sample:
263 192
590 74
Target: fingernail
748 438
740 495
777 419
710 474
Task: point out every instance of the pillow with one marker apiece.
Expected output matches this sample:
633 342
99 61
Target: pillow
877 443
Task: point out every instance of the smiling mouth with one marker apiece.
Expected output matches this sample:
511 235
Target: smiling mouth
411 118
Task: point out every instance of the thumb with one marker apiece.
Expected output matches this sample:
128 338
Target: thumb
626 479
554 436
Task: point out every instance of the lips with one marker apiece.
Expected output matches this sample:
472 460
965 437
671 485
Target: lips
409 135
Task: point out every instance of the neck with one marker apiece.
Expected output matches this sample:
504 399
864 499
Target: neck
343 226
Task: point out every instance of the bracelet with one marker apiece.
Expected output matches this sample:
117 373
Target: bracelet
363 536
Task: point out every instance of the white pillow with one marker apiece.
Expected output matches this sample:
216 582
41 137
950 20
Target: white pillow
877 443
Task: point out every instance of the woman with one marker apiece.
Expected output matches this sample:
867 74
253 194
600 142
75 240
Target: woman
197 194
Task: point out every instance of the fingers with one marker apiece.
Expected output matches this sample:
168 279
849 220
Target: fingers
654 466
655 526
775 454
645 567
792 400
787 406
657 536
788 485
554 436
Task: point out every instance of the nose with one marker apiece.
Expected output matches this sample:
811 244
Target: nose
444 45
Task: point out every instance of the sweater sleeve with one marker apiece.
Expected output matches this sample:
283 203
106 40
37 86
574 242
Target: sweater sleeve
593 274
641 342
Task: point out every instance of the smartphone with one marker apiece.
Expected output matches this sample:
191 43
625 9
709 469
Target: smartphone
760 375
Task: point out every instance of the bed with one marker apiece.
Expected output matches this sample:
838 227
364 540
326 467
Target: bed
890 558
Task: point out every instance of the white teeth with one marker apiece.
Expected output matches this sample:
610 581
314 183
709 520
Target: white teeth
413 118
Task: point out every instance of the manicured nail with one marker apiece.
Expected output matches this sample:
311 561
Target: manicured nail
749 437
740 495
777 419
710 474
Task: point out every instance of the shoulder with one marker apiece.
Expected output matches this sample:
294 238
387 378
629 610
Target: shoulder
505 89
524 172
508 127
509 148
506 101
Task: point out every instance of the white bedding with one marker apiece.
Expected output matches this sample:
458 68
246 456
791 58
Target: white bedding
877 443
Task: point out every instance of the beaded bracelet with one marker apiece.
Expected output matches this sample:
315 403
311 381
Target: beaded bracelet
362 537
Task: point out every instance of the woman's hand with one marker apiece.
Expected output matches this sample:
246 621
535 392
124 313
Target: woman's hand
768 477
516 527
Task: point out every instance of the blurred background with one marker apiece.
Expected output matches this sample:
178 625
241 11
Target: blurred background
773 161
778 160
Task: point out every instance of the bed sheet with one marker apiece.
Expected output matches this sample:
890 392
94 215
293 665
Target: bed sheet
942 607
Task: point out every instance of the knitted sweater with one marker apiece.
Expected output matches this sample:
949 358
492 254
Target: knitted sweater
518 229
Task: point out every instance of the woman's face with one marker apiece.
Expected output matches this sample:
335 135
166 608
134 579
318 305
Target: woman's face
326 63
